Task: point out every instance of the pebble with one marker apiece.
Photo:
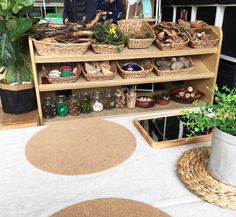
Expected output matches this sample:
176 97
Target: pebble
184 61
177 65
163 68
163 63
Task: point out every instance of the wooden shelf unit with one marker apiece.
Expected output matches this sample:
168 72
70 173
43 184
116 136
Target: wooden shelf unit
204 74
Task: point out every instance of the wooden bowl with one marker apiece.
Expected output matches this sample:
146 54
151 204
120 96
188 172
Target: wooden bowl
174 96
159 100
143 104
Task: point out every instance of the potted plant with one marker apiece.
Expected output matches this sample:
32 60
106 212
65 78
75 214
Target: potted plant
221 117
17 89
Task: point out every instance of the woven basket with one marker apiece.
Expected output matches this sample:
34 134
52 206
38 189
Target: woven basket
146 63
106 48
46 68
100 77
170 72
137 28
173 46
57 49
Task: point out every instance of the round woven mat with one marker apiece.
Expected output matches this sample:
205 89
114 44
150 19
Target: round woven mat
110 208
192 170
80 147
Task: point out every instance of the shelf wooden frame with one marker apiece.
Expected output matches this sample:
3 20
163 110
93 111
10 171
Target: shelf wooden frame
206 61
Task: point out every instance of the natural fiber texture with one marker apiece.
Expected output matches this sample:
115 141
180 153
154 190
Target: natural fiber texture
171 46
106 48
57 49
111 207
46 68
192 170
80 147
170 72
101 77
137 28
146 63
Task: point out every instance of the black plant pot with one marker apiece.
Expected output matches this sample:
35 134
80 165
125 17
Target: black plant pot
18 99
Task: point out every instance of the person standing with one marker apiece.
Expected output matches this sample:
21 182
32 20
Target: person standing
78 11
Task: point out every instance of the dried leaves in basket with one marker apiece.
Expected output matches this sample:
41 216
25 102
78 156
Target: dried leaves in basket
200 33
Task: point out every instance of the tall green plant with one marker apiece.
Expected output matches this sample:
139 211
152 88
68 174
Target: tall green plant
14 26
222 114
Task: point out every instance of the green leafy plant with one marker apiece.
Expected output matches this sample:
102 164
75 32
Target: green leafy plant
222 114
14 27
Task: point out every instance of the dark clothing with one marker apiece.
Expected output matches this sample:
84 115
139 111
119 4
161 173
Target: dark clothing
115 7
76 10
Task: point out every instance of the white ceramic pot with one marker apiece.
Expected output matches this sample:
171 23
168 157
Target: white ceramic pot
222 162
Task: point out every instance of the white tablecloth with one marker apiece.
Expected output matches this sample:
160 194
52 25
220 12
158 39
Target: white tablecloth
148 176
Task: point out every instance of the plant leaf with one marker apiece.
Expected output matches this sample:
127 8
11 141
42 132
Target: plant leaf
11 25
18 5
4 5
22 26
11 75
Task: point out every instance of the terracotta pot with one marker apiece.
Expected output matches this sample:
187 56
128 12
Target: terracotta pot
222 162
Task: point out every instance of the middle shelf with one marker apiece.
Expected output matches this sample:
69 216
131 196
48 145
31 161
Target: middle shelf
200 71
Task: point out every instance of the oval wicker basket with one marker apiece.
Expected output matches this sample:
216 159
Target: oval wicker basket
146 63
137 28
170 72
101 77
172 46
45 48
46 68
106 48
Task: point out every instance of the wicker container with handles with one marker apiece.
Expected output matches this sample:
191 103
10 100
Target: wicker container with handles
46 68
137 28
170 72
145 63
106 48
101 77
45 48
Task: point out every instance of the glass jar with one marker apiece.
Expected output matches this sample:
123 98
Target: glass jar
61 106
131 98
97 102
85 104
108 100
48 108
74 105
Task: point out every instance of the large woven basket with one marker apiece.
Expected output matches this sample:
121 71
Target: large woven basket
137 28
45 48
146 63
170 72
106 48
101 77
46 68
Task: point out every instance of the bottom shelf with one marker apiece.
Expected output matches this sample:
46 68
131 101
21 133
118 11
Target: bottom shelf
123 112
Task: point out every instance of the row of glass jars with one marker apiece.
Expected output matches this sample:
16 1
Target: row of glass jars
75 105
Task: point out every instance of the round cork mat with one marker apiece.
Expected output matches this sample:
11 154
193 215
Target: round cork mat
192 170
110 208
80 147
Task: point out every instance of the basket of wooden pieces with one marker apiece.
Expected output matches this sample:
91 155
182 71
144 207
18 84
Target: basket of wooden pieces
109 39
61 73
99 71
172 66
185 95
64 39
170 36
200 34
140 33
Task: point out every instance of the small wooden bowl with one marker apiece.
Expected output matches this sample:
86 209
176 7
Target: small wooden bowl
143 104
160 101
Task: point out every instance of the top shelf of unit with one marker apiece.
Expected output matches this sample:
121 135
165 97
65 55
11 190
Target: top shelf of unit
126 53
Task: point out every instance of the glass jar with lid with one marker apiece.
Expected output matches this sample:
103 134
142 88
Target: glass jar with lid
86 103
108 100
97 102
74 105
61 106
48 108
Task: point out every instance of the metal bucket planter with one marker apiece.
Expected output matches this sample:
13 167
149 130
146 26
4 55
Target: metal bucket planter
222 162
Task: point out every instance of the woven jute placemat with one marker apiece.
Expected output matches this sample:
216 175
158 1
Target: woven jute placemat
80 147
192 170
110 207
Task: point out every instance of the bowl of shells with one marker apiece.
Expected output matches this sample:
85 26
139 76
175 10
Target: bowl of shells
145 102
185 95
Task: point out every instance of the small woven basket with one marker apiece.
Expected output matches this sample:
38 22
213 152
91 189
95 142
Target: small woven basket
137 28
172 46
146 63
100 77
46 68
45 48
106 48
170 72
